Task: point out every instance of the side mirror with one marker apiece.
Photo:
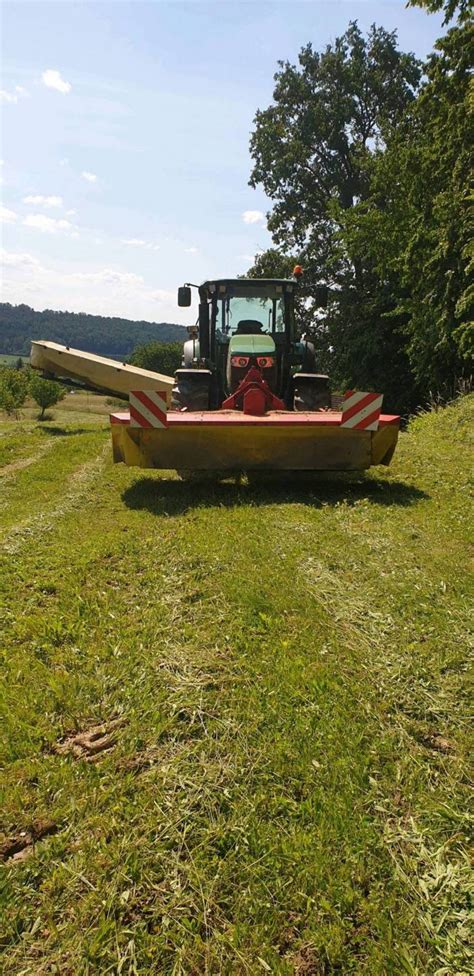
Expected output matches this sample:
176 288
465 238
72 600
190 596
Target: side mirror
321 295
184 296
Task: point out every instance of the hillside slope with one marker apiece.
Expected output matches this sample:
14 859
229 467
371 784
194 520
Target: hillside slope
235 720
19 324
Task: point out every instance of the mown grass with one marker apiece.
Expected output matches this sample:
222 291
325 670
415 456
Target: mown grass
7 360
288 792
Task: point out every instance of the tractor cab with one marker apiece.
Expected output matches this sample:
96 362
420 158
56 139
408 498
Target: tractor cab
243 324
251 324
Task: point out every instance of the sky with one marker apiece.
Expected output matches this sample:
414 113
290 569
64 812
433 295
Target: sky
124 140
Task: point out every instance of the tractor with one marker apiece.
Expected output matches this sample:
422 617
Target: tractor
247 397
247 326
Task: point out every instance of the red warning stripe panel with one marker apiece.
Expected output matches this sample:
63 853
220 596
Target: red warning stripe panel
137 419
148 408
361 411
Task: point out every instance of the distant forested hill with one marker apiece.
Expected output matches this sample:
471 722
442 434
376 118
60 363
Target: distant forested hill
19 324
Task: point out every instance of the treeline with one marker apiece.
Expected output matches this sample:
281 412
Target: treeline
115 337
366 154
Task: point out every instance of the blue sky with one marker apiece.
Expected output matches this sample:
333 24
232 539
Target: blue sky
124 140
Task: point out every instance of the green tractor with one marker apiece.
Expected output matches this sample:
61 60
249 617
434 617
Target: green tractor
247 397
245 325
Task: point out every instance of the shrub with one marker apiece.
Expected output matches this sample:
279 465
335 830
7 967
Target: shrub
45 392
13 389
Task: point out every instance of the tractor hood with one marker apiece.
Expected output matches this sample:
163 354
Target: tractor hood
250 350
251 345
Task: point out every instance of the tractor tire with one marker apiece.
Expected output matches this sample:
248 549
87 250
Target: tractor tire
309 358
191 390
311 392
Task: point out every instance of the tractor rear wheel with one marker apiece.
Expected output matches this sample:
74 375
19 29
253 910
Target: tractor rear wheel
311 392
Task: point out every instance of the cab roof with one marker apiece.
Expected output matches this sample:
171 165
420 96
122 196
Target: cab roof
248 281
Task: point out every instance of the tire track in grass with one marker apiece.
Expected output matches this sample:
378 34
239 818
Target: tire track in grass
11 469
80 482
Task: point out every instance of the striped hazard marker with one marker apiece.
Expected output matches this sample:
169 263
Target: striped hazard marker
361 411
148 408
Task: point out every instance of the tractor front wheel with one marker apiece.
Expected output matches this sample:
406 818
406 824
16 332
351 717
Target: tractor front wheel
191 390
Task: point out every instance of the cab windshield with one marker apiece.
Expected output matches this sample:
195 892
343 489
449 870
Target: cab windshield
247 311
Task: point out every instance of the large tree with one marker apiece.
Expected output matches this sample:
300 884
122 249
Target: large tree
416 229
314 150
312 147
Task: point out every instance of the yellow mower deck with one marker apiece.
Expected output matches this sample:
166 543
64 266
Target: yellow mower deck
97 371
231 441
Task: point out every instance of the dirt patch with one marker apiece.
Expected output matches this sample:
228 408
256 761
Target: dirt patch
91 744
139 762
436 741
21 845
307 963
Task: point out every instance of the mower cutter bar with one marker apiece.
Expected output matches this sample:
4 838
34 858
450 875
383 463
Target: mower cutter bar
235 418
229 440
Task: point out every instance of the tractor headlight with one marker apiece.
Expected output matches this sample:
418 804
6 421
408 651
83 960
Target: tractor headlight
240 361
265 362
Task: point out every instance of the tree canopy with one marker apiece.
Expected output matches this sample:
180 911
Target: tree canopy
416 228
46 393
159 357
463 8
13 389
365 155
312 146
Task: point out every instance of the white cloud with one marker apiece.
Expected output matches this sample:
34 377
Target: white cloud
108 276
52 79
99 291
7 216
190 250
47 225
138 242
249 258
42 201
22 278
71 213
13 96
90 177
134 242
15 260
253 216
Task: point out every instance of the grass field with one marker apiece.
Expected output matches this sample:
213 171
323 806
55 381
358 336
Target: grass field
7 360
234 720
